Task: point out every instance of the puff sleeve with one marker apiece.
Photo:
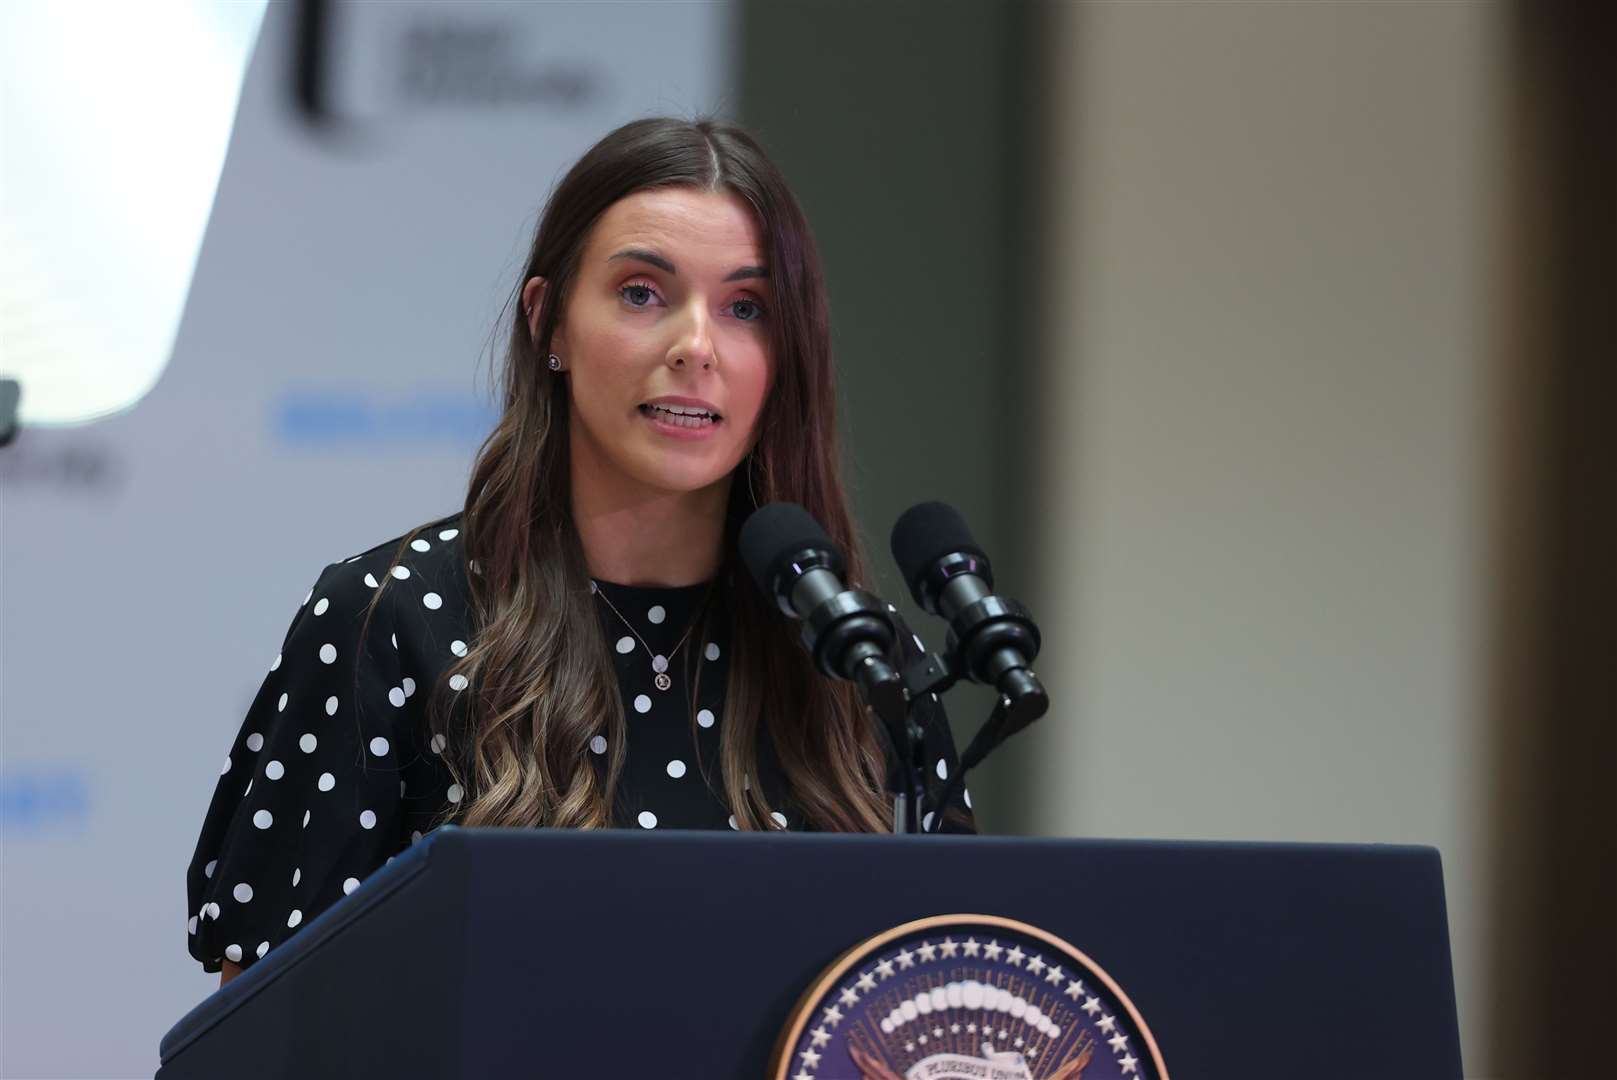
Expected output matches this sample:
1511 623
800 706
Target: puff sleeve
308 800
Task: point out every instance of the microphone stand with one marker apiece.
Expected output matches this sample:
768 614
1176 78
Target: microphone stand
847 633
888 698
1024 703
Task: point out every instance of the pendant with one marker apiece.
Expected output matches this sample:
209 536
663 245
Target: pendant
663 681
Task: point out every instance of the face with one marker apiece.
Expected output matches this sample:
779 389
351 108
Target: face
664 341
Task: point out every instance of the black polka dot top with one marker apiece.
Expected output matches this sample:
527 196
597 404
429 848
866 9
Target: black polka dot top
333 773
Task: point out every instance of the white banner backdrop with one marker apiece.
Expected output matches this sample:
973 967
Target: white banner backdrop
320 399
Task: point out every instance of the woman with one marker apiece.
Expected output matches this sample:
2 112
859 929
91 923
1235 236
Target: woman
579 646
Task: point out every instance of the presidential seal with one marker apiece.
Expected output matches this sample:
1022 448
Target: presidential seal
966 997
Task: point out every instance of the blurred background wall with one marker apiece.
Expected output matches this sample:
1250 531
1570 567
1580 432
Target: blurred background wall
1265 427
1261 343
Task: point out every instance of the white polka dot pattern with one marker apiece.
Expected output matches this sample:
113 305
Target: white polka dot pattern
338 725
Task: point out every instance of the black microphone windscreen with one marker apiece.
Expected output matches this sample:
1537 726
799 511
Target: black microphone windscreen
776 532
925 533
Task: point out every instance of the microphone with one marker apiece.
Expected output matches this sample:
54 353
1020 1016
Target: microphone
848 631
994 639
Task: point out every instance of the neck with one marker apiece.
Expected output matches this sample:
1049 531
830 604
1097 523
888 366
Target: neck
635 535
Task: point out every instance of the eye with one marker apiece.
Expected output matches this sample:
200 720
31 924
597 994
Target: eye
637 294
747 310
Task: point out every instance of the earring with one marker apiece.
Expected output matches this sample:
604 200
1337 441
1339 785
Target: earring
555 362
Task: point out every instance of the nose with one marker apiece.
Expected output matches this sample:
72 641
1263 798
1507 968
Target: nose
694 345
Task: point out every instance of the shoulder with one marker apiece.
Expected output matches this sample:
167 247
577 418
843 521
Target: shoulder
436 544
361 595
434 551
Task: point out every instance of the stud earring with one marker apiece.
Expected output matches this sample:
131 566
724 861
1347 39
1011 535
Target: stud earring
555 362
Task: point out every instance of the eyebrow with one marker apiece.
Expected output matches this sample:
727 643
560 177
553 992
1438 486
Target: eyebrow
740 273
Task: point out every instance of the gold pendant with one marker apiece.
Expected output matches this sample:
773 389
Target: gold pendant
663 681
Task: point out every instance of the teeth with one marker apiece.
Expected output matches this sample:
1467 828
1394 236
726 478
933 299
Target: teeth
683 410
683 416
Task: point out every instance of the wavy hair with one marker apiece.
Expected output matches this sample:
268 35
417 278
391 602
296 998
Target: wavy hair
541 678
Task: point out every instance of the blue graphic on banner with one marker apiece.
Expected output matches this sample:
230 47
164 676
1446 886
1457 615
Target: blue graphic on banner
334 419
34 798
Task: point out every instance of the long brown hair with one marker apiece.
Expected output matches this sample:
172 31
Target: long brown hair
540 676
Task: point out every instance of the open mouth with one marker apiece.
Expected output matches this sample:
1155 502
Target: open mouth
681 415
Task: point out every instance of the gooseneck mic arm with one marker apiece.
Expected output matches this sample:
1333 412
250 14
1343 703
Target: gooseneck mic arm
849 632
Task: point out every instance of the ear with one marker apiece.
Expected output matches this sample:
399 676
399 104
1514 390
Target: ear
533 295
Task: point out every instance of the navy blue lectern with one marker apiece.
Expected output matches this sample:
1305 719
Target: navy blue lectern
550 953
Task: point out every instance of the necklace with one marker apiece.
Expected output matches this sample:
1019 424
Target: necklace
659 663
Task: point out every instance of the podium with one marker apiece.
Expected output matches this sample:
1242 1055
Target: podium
562 953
